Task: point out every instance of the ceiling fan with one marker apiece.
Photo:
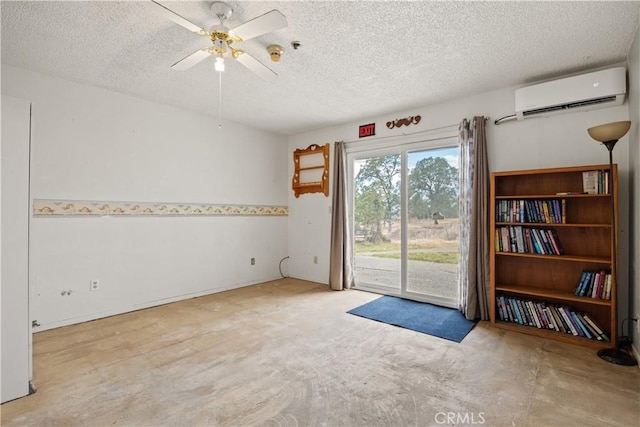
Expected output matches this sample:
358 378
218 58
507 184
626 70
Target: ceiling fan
223 38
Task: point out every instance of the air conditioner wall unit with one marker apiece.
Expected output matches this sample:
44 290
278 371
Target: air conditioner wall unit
600 89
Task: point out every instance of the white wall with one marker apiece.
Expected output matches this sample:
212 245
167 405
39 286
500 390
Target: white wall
534 143
634 156
94 144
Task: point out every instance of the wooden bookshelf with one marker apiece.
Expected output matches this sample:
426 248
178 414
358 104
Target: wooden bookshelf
547 278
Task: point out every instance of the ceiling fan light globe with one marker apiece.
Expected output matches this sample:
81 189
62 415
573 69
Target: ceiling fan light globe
219 66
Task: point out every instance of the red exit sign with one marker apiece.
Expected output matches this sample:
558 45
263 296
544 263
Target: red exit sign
367 130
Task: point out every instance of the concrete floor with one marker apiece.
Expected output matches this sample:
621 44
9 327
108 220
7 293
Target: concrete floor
286 353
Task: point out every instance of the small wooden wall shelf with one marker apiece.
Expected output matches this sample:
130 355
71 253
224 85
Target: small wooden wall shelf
311 170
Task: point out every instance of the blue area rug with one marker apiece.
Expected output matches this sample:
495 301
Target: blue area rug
429 319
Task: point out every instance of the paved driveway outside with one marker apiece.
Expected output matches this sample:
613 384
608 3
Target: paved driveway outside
423 277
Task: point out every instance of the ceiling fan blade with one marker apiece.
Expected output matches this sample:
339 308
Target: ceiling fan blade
180 20
191 60
257 67
263 24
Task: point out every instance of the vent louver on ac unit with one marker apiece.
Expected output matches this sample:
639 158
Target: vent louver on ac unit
590 91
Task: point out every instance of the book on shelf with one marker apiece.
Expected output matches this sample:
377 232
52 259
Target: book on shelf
595 182
595 326
545 241
532 315
594 284
608 280
597 285
590 182
560 322
516 238
582 284
513 240
568 321
521 211
585 331
542 211
543 315
545 212
505 240
552 212
523 313
552 322
536 242
555 241
519 240
591 330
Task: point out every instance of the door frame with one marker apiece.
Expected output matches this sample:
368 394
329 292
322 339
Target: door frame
14 281
401 146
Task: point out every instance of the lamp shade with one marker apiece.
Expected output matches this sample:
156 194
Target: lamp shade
610 131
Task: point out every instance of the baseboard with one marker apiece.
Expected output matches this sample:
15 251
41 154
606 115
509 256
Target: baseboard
142 306
306 279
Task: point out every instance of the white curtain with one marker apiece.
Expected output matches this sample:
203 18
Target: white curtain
341 262
473 277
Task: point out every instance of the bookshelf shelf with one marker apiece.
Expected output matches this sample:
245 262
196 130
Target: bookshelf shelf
539 224
576 258
529 330
551 294
555 196
545 279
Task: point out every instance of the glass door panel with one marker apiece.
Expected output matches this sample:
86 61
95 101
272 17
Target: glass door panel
432 223
377 229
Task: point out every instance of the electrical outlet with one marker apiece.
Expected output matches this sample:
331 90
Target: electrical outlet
315 259
94 285
253 261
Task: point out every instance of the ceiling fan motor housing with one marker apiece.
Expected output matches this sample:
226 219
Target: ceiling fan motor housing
220 39
219 32
221 10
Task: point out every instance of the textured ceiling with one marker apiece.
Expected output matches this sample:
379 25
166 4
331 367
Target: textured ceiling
358 58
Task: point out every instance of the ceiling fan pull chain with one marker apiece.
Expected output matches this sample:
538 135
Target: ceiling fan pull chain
220 100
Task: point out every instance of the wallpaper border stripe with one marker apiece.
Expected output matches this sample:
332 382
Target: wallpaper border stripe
47 208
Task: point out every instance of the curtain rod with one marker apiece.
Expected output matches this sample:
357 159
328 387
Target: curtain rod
411 133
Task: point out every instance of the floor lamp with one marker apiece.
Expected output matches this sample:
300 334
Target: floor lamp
608 134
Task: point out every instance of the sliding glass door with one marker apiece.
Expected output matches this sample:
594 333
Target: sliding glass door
405 220
377 226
